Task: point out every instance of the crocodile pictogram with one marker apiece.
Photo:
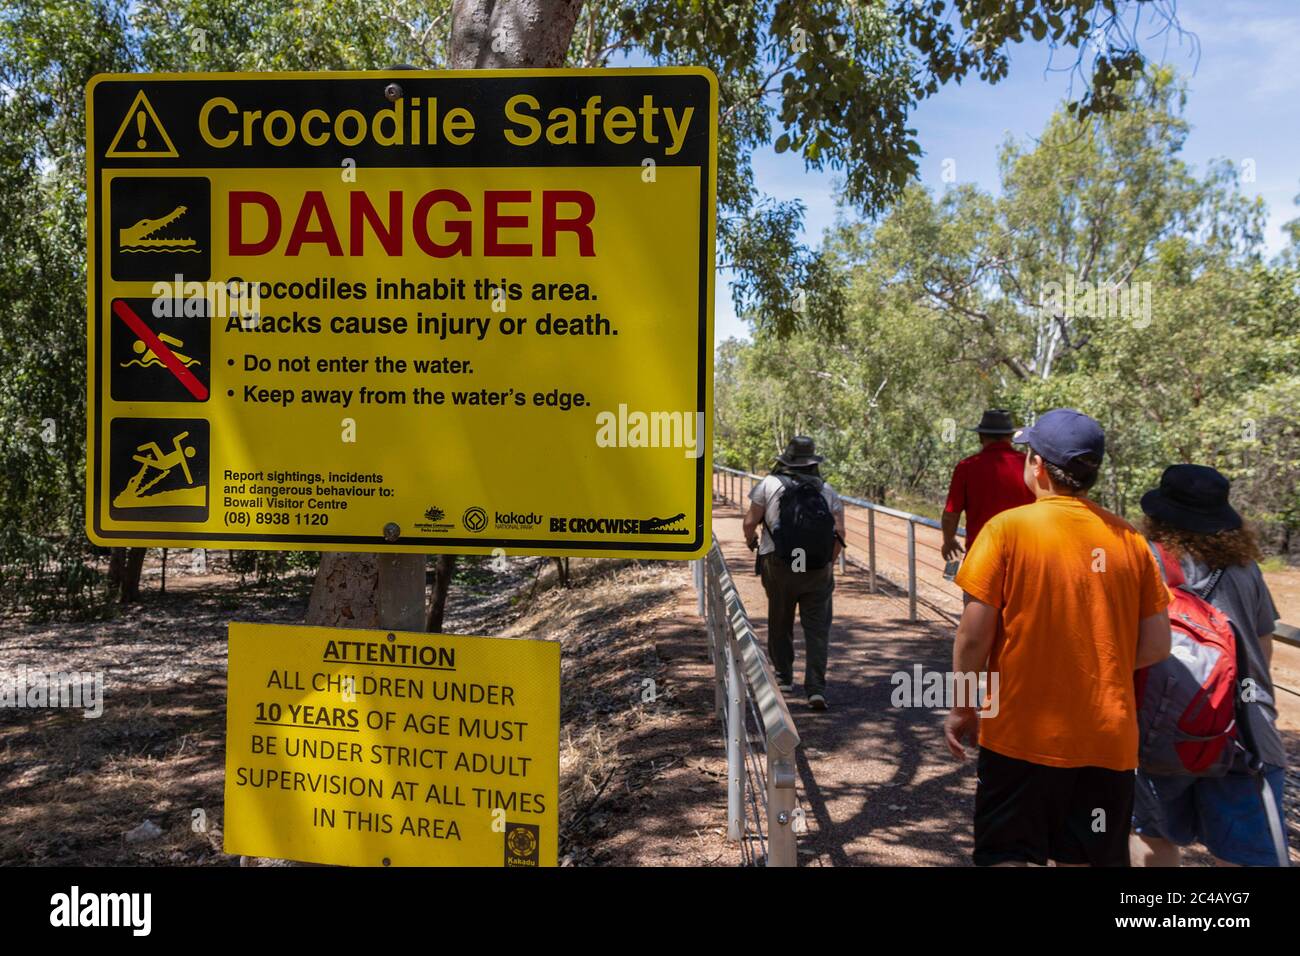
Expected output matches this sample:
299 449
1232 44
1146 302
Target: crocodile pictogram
140 237
661 525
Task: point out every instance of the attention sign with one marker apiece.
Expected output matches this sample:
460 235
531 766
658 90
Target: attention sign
406 311
373 748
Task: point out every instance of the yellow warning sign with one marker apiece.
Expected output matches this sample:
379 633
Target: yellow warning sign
141 134
372 748
476 318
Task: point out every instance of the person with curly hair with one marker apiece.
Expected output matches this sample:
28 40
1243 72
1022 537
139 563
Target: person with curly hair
1190 517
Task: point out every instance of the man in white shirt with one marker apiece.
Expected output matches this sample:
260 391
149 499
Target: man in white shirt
796 560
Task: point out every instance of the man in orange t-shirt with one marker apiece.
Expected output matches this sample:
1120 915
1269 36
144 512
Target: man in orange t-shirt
1066 602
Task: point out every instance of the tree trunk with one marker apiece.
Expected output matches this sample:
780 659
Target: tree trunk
562 571
131 580
124 567
346 591
116 571
485 34
444 566
511 34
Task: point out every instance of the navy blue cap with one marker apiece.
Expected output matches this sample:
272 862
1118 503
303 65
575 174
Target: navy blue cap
1062 435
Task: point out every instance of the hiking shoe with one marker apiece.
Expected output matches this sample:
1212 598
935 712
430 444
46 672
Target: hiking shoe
817 701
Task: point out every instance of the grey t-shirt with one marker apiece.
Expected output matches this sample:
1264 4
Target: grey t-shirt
1242 595
767 495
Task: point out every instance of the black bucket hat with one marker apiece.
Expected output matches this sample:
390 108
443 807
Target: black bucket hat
800 453
995 421
1192 498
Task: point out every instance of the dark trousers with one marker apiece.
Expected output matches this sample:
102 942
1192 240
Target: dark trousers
810 592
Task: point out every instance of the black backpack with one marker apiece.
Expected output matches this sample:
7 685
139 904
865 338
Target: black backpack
805 521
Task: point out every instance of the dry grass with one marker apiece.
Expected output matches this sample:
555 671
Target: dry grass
71 788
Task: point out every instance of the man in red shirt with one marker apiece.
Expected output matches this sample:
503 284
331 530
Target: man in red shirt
986 483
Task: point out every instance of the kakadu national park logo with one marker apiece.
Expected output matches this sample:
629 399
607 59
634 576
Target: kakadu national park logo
523 843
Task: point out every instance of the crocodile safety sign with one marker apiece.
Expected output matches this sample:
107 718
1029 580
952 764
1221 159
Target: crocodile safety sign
409 311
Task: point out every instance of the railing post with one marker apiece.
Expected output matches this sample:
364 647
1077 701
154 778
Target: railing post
782 848
717 624
871 548
698 570
911 570
735 743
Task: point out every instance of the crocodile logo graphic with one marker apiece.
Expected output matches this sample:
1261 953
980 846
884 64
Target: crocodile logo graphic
662 525
142 237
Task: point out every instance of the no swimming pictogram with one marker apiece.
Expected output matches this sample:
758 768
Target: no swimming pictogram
167 361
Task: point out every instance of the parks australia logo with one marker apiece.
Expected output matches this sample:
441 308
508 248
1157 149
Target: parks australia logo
434 521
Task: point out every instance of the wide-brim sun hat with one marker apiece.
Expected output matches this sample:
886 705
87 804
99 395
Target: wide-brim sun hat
1192 498
799 453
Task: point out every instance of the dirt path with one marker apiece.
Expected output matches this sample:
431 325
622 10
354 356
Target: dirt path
876 781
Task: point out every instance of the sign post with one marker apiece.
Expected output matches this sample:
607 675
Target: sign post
474 317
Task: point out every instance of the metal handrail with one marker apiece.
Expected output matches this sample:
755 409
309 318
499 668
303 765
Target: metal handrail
745 687
860 502
733 486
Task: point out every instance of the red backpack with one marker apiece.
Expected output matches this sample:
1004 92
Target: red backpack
1187 703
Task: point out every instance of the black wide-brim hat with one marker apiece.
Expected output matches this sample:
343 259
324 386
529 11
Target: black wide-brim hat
995 421
1192 498
800 453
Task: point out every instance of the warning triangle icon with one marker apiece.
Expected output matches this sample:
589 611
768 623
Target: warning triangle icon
141 134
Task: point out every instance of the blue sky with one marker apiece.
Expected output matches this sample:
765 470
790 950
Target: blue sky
1243 104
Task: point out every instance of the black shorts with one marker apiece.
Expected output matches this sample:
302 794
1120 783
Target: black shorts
1026 812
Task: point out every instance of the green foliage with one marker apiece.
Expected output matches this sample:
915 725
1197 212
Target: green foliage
839 81
48 55
966 300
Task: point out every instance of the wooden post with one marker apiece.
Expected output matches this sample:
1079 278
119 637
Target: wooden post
401 591
871 547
